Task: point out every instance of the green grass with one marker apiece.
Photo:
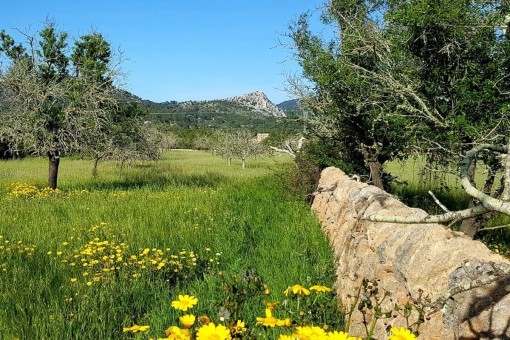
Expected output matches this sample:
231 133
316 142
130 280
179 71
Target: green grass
190 200
412 185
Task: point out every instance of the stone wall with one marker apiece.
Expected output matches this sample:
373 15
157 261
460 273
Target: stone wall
465 286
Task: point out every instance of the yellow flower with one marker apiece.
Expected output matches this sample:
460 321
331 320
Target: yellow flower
187 320
335 335
320 289
309 333
269 320
284 323
177 333
297 290
135 328
286 337
213 332
185 302
401 333
73 280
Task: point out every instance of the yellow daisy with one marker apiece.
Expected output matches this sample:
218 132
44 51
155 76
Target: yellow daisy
185 302
269 320
286 337
238 328
297 290
401 333
135 329
335 335
187 320
320 289
177 333
309 333
213 332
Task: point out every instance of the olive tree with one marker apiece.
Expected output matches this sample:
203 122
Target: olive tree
346 104
240 143
60 99
428 77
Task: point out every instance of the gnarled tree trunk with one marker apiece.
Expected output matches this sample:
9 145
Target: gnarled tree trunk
376 173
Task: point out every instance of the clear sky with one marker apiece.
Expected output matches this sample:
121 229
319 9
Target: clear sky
181 49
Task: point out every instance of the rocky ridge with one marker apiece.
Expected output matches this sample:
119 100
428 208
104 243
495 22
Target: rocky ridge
259 103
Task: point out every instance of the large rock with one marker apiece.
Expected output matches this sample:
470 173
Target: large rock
258 102
465 286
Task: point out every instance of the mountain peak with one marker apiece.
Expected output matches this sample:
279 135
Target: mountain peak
259 102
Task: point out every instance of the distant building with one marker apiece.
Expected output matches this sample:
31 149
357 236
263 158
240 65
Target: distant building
262 136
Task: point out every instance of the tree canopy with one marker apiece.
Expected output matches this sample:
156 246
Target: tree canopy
60 99
406 76
427 77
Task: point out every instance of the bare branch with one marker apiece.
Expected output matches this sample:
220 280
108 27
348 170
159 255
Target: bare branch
490 202
496 227
487 203
441 205
449 216
282 150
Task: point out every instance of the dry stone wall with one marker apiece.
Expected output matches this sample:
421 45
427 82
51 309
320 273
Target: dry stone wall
464 286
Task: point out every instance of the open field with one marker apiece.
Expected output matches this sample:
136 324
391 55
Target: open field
108 252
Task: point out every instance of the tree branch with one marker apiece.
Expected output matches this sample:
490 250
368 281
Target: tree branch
487 203
441 205
446 217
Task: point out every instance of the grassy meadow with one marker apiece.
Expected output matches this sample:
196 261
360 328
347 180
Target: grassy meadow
106 253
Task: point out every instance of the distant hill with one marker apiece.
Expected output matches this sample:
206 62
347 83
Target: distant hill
291 108
255 103
289 104
259 103
253 111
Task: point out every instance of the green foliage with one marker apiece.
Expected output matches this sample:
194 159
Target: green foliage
225 120
348 108
91 57
60 102
52 49
400 77
462 71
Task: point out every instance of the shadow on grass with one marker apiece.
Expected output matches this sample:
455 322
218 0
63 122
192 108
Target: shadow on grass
153 179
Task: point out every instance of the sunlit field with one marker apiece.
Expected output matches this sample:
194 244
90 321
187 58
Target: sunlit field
183 248
104 255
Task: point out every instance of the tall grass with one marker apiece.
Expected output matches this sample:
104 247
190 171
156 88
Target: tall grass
413 183
234 221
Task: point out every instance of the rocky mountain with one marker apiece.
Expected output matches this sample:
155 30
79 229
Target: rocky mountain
259 103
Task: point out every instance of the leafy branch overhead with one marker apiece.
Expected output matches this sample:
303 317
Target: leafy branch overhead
409 77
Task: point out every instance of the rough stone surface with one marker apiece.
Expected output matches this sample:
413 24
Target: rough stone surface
258 102
464 286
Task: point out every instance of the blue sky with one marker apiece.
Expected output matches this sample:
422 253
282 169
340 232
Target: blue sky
181 50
